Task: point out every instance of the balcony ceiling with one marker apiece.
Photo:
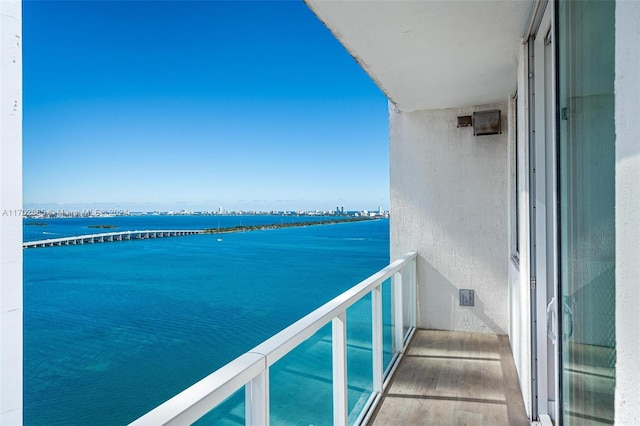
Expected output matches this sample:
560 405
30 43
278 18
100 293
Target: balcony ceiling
432 54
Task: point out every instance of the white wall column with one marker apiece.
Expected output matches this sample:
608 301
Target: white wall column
519 270
10 212
627 93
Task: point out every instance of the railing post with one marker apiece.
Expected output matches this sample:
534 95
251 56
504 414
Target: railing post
413 291
398 337
339 351
377 337
257 400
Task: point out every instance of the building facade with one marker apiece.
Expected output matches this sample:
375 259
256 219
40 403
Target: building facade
539 219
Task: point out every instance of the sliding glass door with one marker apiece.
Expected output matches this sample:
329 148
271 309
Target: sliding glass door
586 166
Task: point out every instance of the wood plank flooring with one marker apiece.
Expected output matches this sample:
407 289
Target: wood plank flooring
454 378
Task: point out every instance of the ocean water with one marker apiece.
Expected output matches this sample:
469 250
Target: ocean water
112 330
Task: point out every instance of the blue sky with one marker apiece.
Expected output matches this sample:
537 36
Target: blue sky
196 105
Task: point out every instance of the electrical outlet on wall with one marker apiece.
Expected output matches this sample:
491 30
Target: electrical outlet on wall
466 297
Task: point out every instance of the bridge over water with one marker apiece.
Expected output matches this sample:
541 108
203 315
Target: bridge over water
110 237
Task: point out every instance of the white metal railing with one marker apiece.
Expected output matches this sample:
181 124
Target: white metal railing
251 369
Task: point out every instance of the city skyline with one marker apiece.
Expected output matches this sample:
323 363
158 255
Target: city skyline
194 105
67 213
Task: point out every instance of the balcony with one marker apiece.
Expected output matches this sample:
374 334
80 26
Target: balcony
448 378
337 364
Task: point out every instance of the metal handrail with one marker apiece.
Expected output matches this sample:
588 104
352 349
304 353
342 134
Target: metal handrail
251 369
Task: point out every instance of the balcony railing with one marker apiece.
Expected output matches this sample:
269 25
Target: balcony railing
252 369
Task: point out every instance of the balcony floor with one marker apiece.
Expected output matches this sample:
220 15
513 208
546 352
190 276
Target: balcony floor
454 378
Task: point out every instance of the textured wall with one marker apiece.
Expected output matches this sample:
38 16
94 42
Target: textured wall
449 203
10 214
627 89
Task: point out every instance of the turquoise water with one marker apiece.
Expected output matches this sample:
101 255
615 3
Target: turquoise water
114 329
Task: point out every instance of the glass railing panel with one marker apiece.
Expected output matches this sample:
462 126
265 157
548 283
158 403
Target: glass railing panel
301 383
231 412
359 357
387 324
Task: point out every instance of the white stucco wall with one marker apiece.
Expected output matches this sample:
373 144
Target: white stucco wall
449 203
627 102
10 218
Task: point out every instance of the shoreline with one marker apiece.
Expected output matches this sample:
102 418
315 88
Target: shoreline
152 234
247 228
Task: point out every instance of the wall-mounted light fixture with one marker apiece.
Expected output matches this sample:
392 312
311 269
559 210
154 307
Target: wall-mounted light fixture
487 123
